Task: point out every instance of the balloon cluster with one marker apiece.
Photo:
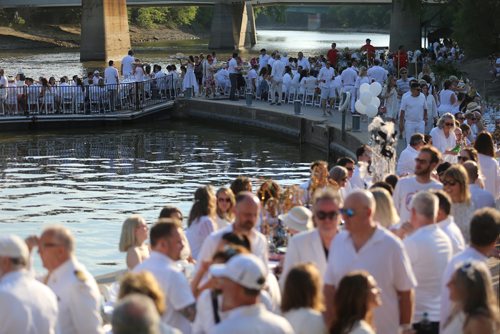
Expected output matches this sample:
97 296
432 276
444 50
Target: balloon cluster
368 101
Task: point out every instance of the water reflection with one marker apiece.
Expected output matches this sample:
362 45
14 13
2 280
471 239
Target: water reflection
91 180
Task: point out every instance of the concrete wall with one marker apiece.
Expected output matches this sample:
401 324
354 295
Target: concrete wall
326 138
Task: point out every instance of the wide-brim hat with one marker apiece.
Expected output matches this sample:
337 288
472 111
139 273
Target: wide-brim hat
299 218
472 106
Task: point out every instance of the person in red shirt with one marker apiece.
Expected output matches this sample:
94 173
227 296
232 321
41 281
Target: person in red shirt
332 55
400 58
370 50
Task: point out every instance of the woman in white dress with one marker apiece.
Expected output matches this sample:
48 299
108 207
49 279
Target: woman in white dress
447 99
476 303
132 240
201 219
390 97
444 139
355 298
189 80
488 164
302 301
225 203
432 113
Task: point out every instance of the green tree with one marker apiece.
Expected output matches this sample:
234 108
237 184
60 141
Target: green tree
151 17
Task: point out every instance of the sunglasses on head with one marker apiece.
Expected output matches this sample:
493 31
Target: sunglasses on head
348 212
321 215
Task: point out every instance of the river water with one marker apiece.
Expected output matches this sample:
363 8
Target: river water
91 180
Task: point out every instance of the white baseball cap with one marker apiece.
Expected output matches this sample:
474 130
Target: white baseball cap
13 247
245 269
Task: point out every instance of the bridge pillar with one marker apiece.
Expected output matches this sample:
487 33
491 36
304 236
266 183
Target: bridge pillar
406 25
233 27
105 33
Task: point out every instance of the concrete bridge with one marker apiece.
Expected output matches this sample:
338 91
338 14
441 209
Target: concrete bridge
105 30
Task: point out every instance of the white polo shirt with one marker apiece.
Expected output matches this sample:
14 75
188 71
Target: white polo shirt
277 71
232 66
175 286
377 73
326 75
304 63
469 254
251 320
384 257
263 59
414 107
404 191
111 75
453 232
349 77
406 162
127 62
429 250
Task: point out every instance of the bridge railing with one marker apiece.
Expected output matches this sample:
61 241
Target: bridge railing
70 99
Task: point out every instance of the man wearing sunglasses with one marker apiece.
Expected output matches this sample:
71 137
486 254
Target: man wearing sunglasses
364 245
314 246
413 115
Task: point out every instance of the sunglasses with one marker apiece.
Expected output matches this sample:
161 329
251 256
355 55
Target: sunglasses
348 212
449 183
321 215
448 124
227 200
462 158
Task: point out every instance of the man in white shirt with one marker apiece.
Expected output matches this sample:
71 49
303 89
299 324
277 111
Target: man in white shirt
233 70
126 66
364 245
406 161
111 79
314 246
252 77
77 293
4 85
241 279
427 160
277 72
166 246
447 223
263 59
348 164
403 83
349 76
413 115
303 62
364 157
484 233
26 305
429 250
325 78
246 212
377 72
480 197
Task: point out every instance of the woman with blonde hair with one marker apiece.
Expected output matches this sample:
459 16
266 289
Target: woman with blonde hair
302 301
443 137
385 211
456 184
134 234
390 98
476 306
225 204
201 219
340 175
355 299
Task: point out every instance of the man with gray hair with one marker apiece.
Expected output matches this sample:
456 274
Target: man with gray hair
480 197
364 245
76 289
26 305
135 314
429 250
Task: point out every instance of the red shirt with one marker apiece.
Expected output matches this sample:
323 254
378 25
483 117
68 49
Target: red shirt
332 56
400 57
370 50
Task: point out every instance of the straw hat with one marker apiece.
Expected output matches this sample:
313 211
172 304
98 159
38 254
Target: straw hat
298 218
472 106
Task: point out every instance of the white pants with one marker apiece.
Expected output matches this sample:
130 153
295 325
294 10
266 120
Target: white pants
413 127
276 87
352 90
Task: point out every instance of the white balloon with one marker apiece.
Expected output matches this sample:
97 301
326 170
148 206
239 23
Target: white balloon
364 88
365 98
360 107
375 88
375 101
371 110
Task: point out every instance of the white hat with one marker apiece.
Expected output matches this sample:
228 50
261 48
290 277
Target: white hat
245 269
96 72
14 247
298 218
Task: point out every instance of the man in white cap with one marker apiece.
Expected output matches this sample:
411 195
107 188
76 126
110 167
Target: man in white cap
77 293
242 278
314 245
26 305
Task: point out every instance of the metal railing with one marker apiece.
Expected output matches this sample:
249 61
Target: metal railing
68 98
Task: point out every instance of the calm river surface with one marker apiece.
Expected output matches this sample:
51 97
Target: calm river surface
91 180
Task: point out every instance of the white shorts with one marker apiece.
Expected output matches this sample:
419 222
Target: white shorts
326 93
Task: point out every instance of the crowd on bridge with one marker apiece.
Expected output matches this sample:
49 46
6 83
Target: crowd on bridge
347 251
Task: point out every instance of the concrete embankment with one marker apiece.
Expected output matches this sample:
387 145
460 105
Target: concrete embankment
311 128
